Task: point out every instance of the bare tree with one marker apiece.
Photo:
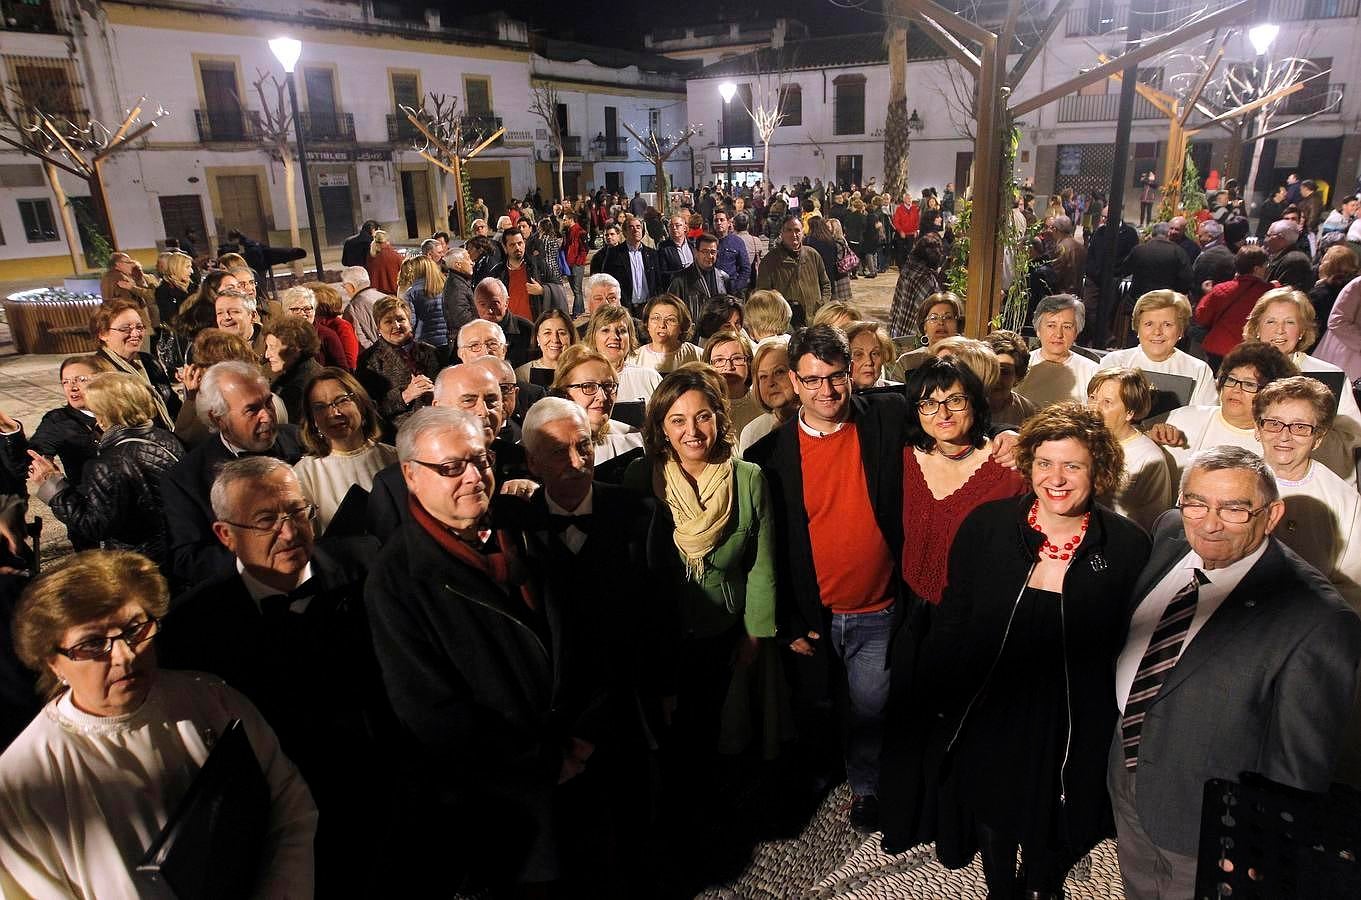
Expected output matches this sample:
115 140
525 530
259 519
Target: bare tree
657 147
276 128
447 140
78 148
769 88
545 106
897 135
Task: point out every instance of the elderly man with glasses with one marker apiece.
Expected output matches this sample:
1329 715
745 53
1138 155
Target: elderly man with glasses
273 628
1287 265
477 658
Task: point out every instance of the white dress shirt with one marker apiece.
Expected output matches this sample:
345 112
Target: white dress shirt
258 590
640 291
572 537
1221 583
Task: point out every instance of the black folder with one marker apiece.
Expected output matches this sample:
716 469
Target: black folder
1334 381
1169 392
210 849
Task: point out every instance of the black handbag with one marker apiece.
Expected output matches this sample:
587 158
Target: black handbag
211 845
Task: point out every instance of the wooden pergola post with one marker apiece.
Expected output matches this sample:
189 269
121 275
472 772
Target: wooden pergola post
957 37
456 162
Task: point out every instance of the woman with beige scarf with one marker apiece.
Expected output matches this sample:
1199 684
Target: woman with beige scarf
712 546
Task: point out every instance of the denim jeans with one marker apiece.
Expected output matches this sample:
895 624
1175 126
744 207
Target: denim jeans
860 641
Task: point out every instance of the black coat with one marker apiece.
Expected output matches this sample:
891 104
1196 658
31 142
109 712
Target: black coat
384 374
458 304
1291 269
669 263
196 555
1214 264
66 433
691 287
518 332
967 634
314 676
482 684
356 249
1157 264
118 502
615 261
290 384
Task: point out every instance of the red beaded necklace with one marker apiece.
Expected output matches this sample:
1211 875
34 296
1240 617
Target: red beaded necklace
1054 551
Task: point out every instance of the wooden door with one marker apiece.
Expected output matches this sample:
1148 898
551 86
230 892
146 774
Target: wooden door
239 206
182 216
221 103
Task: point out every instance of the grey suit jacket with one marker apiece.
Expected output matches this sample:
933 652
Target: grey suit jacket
1267 686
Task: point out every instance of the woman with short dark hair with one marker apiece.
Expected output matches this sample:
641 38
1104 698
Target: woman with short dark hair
340 428
291 346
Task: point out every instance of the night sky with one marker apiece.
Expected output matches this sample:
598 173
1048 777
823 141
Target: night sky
621 23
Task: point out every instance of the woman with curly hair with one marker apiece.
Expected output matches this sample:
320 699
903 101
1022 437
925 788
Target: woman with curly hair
1018 669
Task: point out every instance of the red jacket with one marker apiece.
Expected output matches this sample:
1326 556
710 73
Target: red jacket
1224 310
576 246
906 219
349 341
383 269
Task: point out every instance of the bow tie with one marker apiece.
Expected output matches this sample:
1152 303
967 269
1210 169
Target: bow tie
278 604
562 523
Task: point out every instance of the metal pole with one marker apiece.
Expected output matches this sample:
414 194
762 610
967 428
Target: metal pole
727 139
1108 298
302 168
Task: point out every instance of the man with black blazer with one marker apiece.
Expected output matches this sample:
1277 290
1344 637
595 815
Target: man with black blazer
676 252
1240 657
839 536
274 629
634 266
493 305
235 401
702 280
356 248
480 672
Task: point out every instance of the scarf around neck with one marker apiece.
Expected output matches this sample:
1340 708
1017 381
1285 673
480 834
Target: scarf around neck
701 512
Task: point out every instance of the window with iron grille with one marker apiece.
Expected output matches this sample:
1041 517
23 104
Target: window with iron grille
39 224
49 84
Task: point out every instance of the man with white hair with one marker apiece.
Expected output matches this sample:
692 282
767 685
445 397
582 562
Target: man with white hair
1215 262
492 302
354 283
237 313
474 653
1286 265
235 402
458 289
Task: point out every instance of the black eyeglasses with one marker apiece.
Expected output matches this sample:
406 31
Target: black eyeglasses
954 403
320 408
100 647
1248 387
1298 429
508 388
813 382
591 388
274 523
1233 515
455 468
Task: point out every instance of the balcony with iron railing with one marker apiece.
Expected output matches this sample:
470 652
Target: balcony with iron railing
328 127
1103 18
478 127
1101 108
1316 97
571 145
227 126
400 129
616 147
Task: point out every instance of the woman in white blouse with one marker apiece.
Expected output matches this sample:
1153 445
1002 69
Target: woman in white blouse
729 351
1122 397
609 332
667 319
588 379
340 433
1322 520
774 393
92 781
1160 320
1057 373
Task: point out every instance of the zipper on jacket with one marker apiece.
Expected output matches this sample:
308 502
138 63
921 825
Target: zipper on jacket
1067 699
1015 605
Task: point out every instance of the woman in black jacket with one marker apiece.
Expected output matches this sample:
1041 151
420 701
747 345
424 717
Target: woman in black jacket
118 504
1017 673
121 331
291 346
68 433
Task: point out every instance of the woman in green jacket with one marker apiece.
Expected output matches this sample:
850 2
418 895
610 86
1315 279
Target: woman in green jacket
712 546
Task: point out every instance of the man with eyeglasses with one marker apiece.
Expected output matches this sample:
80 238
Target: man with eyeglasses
493 305
274 627
516 396
701 280
1240 657
1287 265
235 402
835 476
479 668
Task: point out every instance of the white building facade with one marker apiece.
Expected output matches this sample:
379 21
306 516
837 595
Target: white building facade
842 84
205 169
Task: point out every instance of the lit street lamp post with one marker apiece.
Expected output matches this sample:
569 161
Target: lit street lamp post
287 51
727 89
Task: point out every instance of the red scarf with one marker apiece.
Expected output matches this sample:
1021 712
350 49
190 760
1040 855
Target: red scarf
505 569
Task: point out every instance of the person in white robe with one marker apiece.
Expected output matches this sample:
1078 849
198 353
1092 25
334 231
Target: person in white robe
1160 321
1056 372
1121 397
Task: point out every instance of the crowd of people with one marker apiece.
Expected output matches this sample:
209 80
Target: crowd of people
532 566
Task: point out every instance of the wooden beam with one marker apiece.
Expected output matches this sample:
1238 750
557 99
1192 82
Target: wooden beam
1133 57
71 152
127 123
485 144
947 42
1032 53
1270 131
435 162
985 250
956 23
38 154
1262 101
120 144
1194 97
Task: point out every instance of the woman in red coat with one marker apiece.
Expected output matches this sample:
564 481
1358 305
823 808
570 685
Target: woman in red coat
382 264
1225 308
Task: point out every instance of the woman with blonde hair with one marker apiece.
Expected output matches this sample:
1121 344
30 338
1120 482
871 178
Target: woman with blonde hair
422 286
839 313
768 316
587 378
610 332
774 393
177 276
871 353
1160 320
118 501
383 263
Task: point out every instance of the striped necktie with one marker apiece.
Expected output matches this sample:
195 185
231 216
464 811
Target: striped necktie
1164 649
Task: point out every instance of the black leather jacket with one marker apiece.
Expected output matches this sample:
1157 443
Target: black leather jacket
118 503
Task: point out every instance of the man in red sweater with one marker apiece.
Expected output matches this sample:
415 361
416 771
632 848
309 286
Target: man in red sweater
835 473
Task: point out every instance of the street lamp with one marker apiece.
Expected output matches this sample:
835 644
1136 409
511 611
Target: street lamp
1261 37
726 91
286 51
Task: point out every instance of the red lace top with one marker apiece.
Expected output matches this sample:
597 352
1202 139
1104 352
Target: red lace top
929 525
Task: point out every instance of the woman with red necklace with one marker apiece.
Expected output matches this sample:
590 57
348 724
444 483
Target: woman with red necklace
1018 667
